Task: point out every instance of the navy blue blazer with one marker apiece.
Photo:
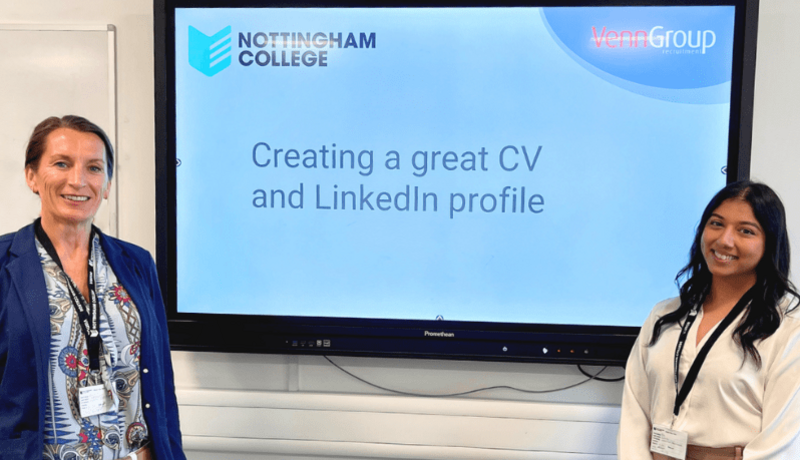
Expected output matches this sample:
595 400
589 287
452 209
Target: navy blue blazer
25 346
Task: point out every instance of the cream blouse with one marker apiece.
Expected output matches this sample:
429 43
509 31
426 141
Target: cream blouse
733 403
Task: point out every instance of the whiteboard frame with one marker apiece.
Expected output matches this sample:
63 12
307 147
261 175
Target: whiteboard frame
111 129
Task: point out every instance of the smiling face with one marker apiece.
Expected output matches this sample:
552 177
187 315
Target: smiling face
70 177
733 242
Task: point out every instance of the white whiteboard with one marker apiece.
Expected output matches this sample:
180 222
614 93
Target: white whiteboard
52 70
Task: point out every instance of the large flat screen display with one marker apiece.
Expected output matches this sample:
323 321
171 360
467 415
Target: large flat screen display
518 182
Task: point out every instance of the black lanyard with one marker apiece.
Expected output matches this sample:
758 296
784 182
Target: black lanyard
683 392
88 316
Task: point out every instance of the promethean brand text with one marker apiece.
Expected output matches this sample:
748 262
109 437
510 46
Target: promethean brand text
439 334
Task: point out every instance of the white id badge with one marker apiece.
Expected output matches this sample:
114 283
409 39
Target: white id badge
93 400
669 442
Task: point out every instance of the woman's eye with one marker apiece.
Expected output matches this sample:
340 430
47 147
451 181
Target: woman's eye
96 169
714 223
747 231
61 164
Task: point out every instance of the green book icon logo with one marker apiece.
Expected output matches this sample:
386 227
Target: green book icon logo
210 54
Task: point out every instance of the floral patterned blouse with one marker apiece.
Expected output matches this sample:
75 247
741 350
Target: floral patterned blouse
122 430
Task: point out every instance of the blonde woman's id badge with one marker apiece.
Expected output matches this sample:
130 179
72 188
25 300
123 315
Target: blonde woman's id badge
669 442
94 400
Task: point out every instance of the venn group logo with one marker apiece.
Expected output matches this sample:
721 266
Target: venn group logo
672 49
210 54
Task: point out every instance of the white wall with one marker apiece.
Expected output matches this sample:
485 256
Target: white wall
135 104
301 390
776 124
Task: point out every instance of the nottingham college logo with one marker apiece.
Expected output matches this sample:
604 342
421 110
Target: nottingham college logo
210 54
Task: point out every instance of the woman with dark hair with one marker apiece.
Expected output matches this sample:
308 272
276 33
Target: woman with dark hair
85 367
715 373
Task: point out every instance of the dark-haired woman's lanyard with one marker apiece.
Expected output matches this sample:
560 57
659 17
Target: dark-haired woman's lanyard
664 439
93 399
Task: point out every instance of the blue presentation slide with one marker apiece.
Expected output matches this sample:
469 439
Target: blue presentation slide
524 165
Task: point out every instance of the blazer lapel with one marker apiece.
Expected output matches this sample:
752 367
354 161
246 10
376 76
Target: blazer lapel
28 278
125 268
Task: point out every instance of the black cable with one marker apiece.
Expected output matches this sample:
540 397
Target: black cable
450 395
600 379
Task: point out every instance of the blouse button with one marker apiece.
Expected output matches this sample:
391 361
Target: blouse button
145 370
147 406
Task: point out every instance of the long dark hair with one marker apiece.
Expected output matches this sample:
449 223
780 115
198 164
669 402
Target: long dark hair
762 316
